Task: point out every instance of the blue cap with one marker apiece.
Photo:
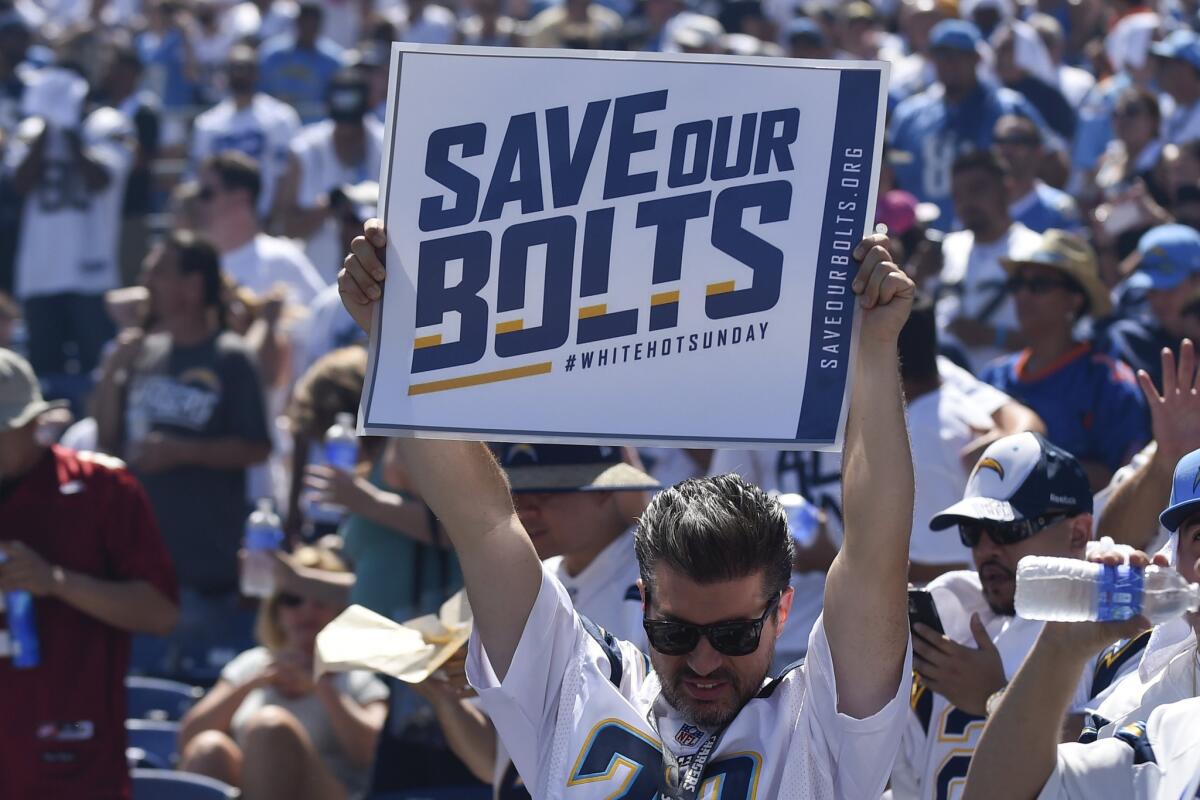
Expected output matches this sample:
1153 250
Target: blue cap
1169 255
1018 478
1185 492
955 34
570 468
804 28
1182 44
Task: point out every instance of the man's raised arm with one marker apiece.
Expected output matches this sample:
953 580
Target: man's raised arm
866 619
465 488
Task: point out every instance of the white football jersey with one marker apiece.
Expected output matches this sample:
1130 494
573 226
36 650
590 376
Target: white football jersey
69 234
941 738
262 131
577 730
1145 760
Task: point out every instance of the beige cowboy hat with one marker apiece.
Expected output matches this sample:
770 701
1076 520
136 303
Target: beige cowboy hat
1073 257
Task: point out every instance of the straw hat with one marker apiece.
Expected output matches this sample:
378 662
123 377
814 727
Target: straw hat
1072 256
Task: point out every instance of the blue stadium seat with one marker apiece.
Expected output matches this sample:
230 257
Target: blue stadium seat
159 699
152 743
159 784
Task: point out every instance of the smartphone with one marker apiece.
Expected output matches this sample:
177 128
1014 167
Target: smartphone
921 609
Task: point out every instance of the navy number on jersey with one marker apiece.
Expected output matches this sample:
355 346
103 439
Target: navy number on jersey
633 761
61 187
957 725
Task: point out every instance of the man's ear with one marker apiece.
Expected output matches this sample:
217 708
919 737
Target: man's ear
785 610
642 591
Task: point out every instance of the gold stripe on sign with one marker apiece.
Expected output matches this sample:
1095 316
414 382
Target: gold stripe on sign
427 341
510 326
587 312
480 379
662 298
719 288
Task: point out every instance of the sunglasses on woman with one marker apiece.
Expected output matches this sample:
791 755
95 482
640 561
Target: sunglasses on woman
1036 285
1006 533
289 600
734 638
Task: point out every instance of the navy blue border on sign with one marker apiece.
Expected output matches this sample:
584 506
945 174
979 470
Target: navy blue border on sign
854 129
857 108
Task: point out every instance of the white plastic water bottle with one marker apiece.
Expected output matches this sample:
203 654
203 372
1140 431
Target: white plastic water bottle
803 518
340 452
1073 590
264 537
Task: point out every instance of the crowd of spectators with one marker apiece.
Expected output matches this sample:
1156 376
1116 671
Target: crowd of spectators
179 183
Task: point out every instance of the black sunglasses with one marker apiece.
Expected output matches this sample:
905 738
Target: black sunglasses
289 600
734 638
1036 285
1006 533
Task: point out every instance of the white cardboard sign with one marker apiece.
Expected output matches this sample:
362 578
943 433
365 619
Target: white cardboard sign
621 247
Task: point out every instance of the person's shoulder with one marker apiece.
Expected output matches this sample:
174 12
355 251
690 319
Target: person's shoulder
917 103
215 116
314 134
89 467
278 248
1054 197
231 349
1112 370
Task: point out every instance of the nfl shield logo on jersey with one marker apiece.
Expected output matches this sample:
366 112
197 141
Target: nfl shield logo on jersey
689 736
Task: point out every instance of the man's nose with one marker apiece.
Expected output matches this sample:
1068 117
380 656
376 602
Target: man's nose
704 659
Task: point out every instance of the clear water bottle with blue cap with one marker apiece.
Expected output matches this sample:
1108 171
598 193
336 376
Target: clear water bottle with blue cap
264 538
22 629
340 451
1073 590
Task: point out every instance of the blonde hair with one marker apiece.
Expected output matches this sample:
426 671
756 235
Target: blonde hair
267 630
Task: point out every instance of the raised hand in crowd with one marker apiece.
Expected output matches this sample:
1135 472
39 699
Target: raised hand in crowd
1018 749
1131 514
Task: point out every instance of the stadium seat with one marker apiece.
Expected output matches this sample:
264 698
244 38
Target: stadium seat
159 699
161 784
152 743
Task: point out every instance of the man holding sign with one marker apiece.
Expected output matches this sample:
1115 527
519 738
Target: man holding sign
585 716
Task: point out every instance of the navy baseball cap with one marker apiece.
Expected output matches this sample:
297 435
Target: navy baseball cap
1020 477
1183 45
570 468
955 34
1185 492
805 29
1170 254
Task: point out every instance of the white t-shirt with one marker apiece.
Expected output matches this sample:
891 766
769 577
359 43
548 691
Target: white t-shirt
575 735
265 260
940 738
69 234
972 283
1118 768
329 327
320 172
262 130
940 424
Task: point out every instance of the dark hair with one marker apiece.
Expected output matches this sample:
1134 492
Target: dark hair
918 342
984 160
1143 98
716 529
331 386
197 255
236 171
